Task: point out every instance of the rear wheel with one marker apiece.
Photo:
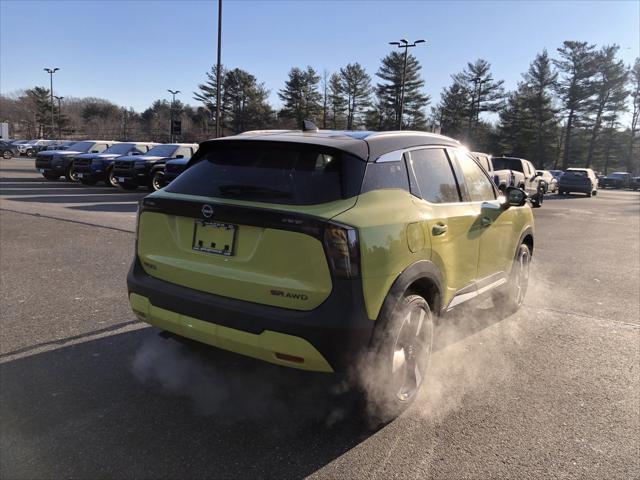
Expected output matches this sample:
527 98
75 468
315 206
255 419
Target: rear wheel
511 297
29 153
71 174
402 347
7 154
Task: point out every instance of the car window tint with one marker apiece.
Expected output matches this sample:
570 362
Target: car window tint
434 176
479 187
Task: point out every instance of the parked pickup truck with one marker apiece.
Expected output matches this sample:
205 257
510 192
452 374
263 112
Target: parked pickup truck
530 181
93 167
502 178
53 164
133 171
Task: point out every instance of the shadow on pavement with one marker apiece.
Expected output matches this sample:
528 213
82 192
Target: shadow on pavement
140 405
108 207
89 198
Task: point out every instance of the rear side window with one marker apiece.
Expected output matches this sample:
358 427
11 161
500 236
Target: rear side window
434 176
385 175
478 185
271 172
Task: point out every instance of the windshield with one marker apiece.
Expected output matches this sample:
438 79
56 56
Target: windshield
618 175
577 173
507 164
81 146
162 150
120 148
274 173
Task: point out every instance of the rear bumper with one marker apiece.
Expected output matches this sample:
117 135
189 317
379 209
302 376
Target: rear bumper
575 188
328 338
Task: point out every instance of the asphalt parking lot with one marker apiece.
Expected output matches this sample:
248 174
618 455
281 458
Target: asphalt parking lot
86 391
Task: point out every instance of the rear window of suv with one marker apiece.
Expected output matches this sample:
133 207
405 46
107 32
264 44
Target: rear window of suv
285 173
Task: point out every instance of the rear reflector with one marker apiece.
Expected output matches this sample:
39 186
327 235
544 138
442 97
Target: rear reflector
289 358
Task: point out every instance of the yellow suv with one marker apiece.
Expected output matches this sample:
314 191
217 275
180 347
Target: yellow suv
311 248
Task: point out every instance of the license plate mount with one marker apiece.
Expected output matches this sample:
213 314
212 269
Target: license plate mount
214 237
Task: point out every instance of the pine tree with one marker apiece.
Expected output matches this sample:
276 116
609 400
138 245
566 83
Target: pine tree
454 109
610 91
40 100
337 103
574 86
206 94
356 88
633 161
540 80
245 101
301 97
388 93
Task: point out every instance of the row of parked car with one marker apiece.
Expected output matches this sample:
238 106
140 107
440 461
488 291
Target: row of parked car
128 165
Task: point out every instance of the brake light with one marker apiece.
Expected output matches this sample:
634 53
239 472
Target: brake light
343 251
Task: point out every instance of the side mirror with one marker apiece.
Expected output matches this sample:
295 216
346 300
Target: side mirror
515 197
179 156
538 174
95 151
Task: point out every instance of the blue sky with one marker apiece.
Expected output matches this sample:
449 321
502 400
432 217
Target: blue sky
130 52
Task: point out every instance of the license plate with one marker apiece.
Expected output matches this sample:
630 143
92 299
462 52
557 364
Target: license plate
120 179
214 237
41 170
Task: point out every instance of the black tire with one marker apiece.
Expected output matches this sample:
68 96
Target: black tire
7 154
401 349
157 180
51 176
70 174
111 180
594 193
511 297
29 153
537 201
85 181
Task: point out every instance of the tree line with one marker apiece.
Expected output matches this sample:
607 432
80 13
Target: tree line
578 108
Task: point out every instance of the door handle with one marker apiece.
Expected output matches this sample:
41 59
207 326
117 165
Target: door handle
486 221
439 229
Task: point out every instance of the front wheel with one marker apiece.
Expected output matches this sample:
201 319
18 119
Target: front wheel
511 297
71 174
157 180
111 180
402 349
7 154
29 153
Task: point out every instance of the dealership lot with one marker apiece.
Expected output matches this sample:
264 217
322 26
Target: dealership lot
552 391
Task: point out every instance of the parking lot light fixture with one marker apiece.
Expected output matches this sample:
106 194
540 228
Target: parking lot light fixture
51 71
173 101
404 43
59 115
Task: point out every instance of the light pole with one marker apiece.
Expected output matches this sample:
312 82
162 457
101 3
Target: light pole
403 43
173 101
51 71
218 70
59 114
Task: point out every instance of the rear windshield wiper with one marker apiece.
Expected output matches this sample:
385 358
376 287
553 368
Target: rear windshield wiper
254 191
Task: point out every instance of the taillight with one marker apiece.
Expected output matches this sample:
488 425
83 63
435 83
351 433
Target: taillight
343 251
